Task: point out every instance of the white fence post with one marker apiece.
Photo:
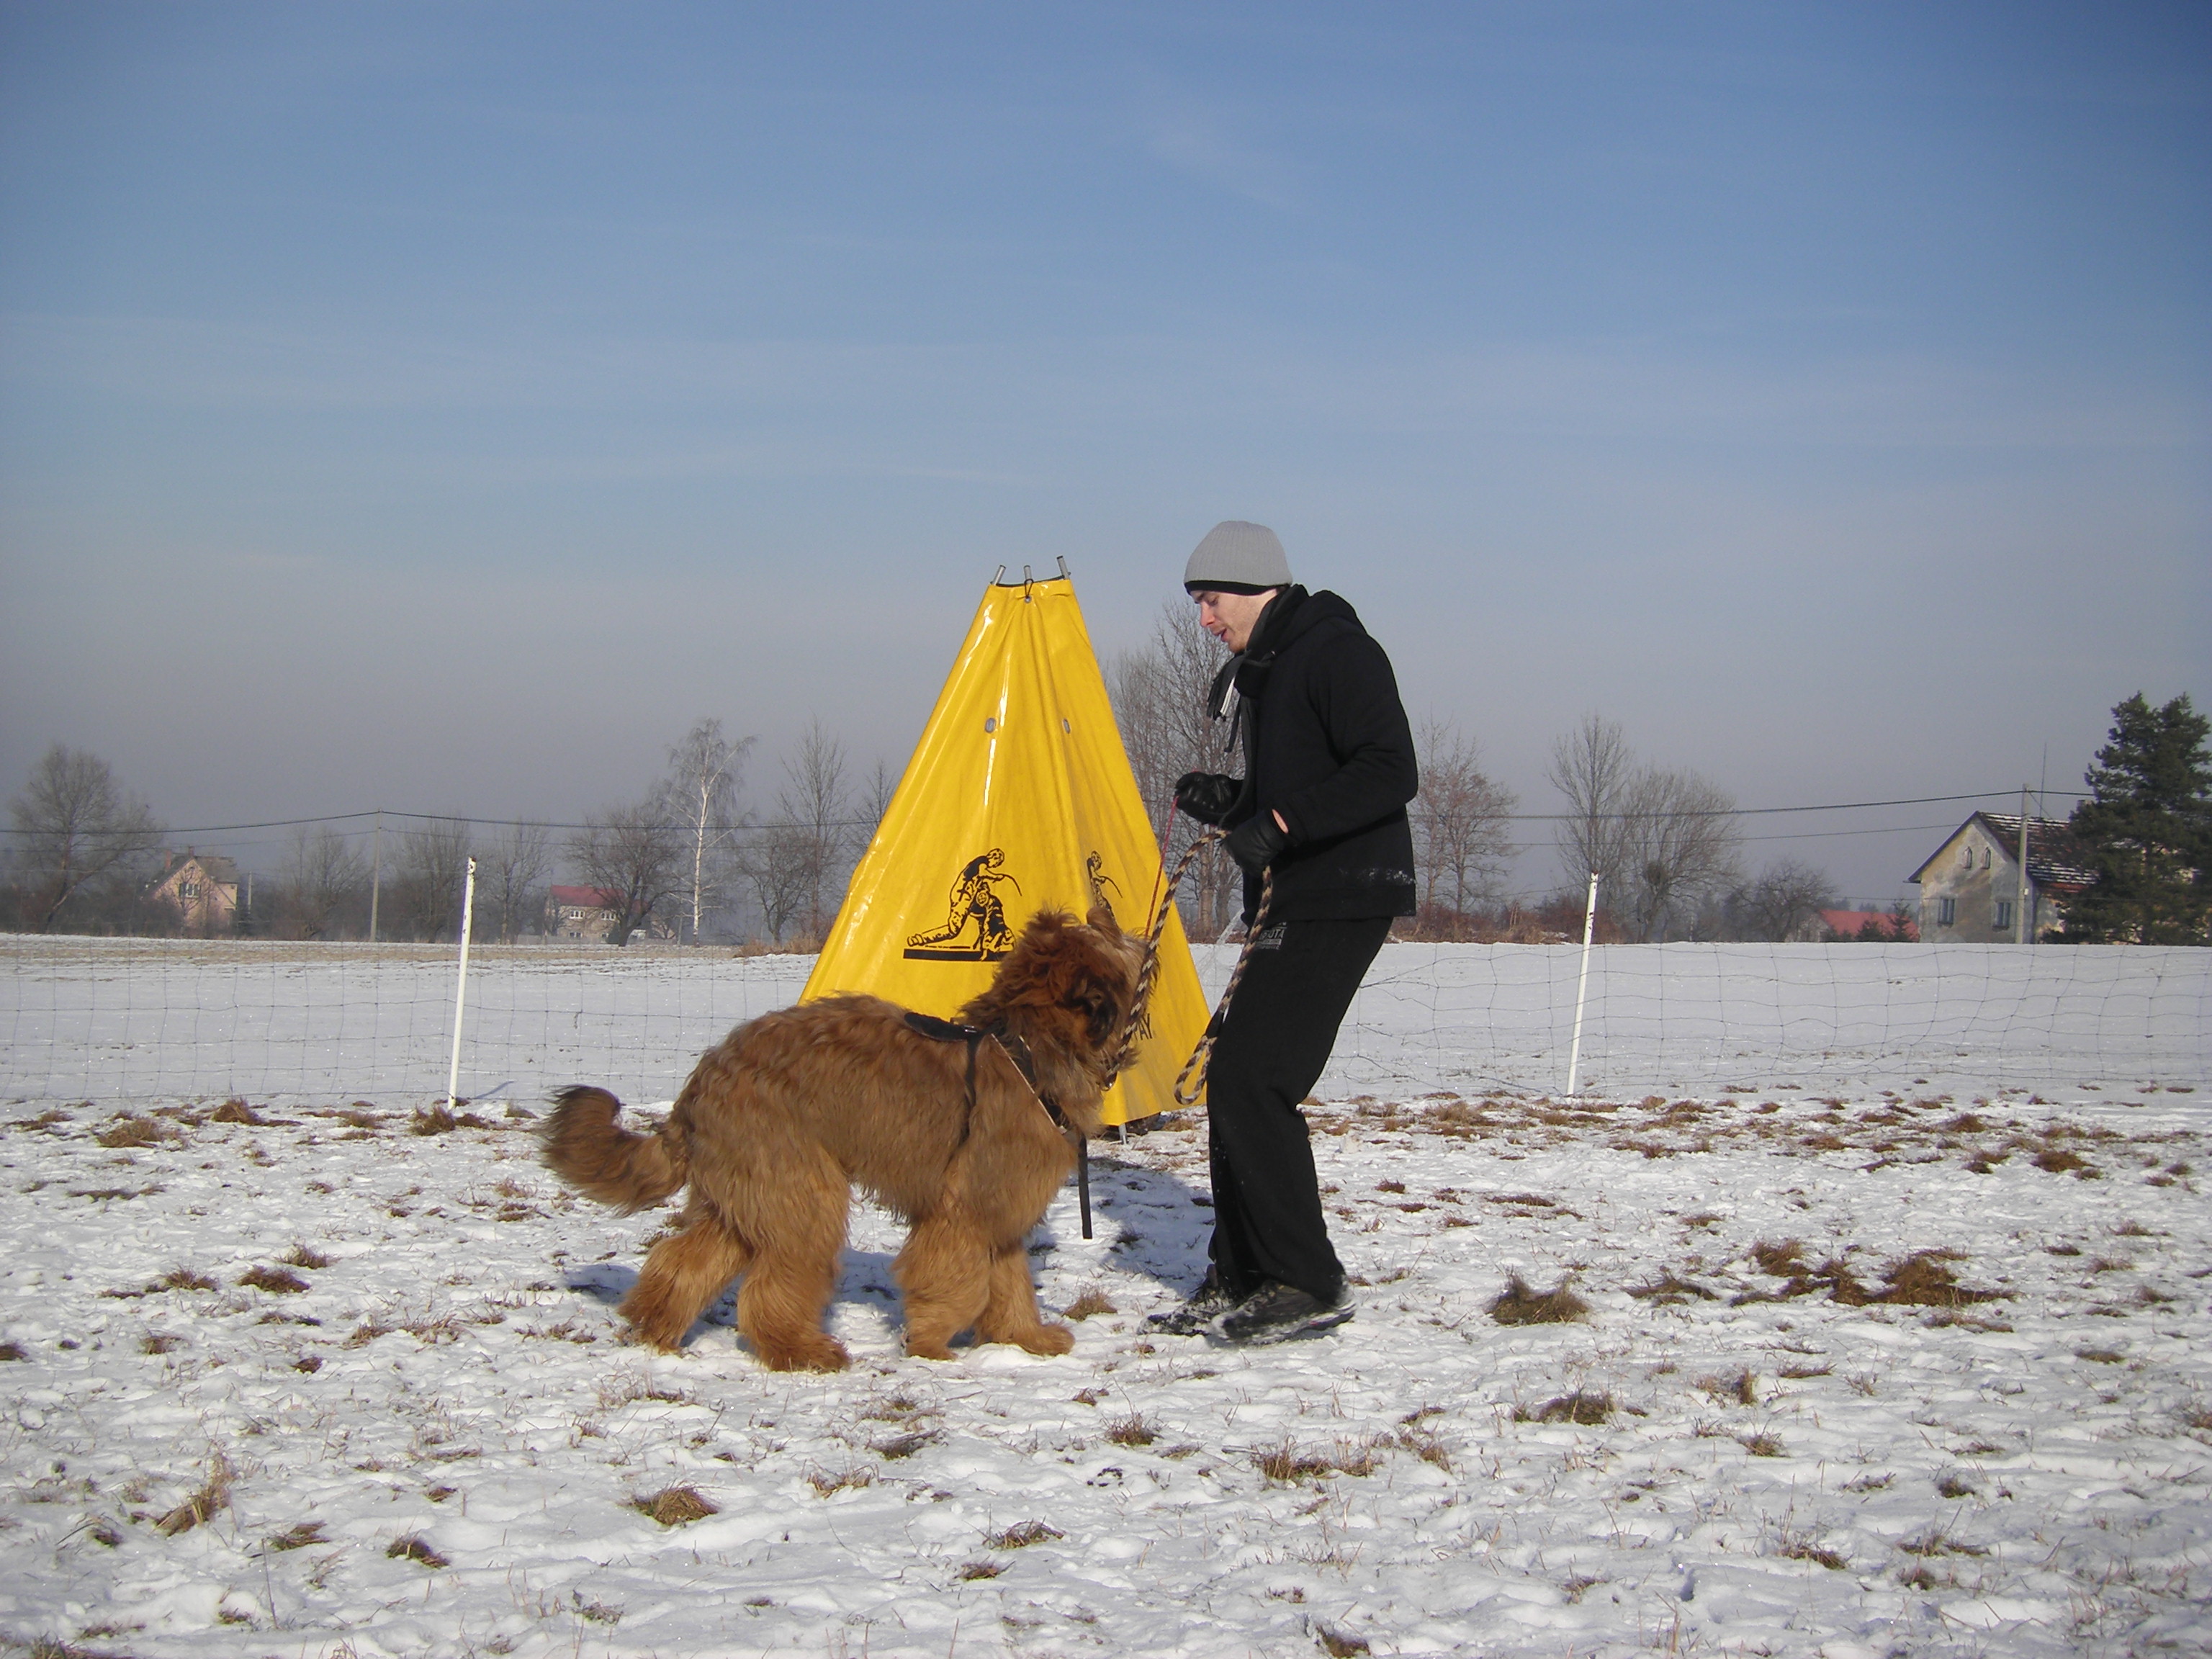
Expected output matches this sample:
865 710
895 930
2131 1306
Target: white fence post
1582 987
461 984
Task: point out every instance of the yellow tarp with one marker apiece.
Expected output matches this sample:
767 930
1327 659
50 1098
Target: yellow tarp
1019 798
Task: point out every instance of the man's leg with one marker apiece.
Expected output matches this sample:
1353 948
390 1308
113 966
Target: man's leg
1268 1217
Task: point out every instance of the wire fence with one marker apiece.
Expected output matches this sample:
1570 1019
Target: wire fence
133 1022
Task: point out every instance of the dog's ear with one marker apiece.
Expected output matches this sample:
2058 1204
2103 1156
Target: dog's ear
1102 917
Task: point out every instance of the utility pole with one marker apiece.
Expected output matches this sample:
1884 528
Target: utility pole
2020 931
375 872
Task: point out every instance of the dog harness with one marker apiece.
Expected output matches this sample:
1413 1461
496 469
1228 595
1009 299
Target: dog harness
946 1030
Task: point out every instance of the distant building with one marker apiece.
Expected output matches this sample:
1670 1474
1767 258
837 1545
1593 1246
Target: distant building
198 891
582 913
1851 924
1969 888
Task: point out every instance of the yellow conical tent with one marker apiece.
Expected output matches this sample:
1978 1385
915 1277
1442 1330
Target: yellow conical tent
1019 798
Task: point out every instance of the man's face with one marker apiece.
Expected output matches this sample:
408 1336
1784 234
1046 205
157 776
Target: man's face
1230 617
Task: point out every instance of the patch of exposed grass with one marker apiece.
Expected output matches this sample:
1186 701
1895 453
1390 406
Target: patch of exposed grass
903 1445
1340 1644
129 1129
432 1121
1022 1536
212 1497
972 1570
1286 1465
674 1506
278 1281
1516 1304
1763 1444
414 1547
298 1536
1670 1288
1092 1301
235 1111
826 1484
1131 1431
1583 1406
304 1255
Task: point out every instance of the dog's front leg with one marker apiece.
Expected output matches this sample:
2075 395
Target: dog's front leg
944 1275
1010 1313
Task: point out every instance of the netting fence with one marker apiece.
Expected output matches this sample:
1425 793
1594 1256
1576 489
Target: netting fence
135 1021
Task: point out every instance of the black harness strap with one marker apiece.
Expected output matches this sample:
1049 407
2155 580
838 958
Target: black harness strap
946 1031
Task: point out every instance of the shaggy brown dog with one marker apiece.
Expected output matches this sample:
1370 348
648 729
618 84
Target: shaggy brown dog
790 1111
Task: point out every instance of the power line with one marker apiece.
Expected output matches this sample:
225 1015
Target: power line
854 824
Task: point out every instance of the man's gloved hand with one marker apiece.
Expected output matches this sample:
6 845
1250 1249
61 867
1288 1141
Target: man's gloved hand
1254 842
1206 796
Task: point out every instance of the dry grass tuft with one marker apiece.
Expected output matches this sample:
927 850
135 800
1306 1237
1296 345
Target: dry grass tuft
297 1537
1763 1444
432 1121
973 1570
1131 1431
1022 1536
1669 1288
235 1111
127 1129
1092 1301
1582 1406
160 1343
1799 1549
826 1484
1785 1259
414 1547
903 1445
1516 1304
2057 1160
1287 1466
1339 1644
278 1281
1953 1484
304 1255
213 1497
12 1351
674 1506
182 1278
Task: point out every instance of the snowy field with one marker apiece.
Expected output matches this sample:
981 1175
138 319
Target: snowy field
1894 1339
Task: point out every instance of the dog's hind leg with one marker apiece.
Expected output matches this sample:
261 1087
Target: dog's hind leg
1010 1313
944 1275
682 1275
794 1272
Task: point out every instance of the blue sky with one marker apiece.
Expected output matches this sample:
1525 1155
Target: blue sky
440 407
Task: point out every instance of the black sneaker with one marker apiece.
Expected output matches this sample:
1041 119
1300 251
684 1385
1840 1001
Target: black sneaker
1279 1313
1207 1304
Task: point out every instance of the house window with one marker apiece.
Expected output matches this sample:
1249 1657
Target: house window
2004 918
1947 912
1986 858
1966 857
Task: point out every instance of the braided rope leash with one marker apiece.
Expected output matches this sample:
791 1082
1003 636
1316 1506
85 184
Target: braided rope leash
1191 1080
1201 1058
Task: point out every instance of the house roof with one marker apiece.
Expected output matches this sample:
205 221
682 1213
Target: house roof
591 899
1850 922
213 866
2054 857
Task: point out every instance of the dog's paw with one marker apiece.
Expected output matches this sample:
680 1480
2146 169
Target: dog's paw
918 1349
823 1356
1047 1339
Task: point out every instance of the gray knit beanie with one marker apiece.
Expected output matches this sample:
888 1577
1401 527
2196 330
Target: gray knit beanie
1237 558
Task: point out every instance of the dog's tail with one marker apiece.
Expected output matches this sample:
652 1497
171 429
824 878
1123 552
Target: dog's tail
586 1148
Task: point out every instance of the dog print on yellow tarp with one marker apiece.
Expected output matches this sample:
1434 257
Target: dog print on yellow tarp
1019 799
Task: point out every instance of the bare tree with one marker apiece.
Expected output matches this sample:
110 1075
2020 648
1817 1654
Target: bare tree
1159 698
80 837
1660 842
812 804
633 854
511 873
1592 766
704 773
431 868
1780 902
876 799
776 862
1683 847
1461 819
323 888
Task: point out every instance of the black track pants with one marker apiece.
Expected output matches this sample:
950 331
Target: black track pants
1267 1220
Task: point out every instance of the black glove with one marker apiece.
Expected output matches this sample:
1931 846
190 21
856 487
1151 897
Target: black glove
1254 842
1206 796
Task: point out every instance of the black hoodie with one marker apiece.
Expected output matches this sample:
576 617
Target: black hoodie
1328 746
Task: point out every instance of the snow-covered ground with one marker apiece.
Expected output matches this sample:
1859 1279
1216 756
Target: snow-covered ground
1782 1425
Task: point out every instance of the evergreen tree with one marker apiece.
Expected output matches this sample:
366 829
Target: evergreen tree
2146 830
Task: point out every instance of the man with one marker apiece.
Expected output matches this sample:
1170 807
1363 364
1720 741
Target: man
1329 768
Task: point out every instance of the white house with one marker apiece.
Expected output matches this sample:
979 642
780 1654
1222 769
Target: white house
1970 889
